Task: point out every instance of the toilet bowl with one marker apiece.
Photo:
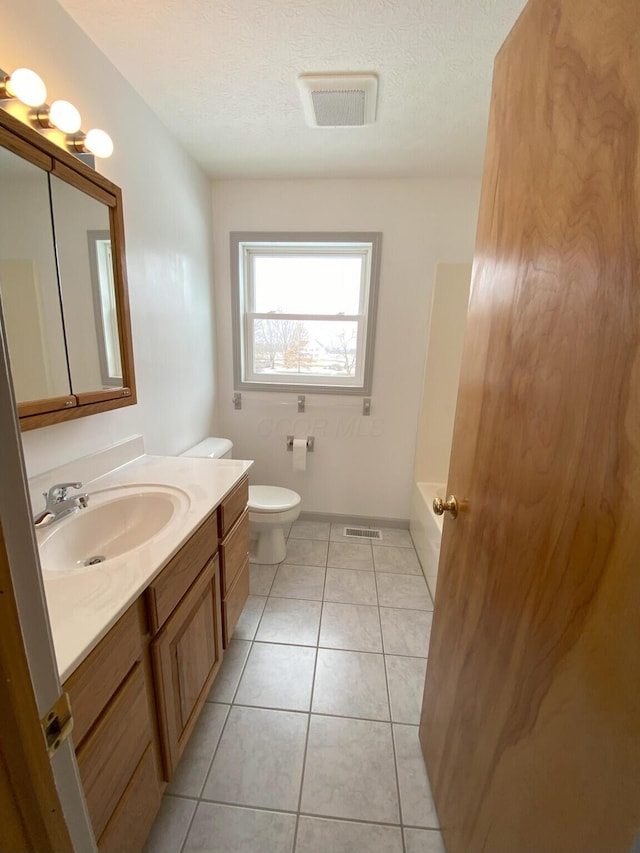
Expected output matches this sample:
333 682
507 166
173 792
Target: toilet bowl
270 508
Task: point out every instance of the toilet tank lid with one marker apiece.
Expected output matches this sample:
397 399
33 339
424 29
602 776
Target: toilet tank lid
212 447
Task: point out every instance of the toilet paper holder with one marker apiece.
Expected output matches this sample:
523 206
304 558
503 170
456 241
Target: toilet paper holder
310 443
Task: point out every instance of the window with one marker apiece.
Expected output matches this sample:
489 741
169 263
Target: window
104 303
304 310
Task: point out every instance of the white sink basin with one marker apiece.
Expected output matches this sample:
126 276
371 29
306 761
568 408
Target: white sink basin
115 522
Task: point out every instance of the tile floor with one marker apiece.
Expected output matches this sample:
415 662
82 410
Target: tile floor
308 741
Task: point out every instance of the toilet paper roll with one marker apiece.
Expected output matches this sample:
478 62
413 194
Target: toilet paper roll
299 454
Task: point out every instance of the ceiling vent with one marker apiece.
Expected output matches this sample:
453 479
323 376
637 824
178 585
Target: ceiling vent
339 100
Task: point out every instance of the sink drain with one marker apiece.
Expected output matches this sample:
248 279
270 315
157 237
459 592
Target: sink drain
93 561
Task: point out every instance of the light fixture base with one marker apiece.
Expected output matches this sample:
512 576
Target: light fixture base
87 158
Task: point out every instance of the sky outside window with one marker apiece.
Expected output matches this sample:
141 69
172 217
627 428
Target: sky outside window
307 285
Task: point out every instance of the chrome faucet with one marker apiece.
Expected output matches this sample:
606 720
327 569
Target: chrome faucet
57 504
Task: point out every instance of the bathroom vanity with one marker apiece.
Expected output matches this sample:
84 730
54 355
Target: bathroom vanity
139 637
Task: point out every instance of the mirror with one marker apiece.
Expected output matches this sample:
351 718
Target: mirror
29 282
62 281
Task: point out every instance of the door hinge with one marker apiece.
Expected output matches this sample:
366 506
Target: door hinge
57 724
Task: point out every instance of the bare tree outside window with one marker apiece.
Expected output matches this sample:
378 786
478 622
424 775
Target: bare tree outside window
272 340
297 355
344 347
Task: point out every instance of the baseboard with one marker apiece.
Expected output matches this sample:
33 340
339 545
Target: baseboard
356 520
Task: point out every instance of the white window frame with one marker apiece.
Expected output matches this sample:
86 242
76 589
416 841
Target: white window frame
244 247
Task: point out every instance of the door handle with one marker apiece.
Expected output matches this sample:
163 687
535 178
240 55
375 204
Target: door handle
450 506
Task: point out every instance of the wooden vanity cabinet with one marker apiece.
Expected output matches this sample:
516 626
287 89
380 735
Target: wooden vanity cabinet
137 696
233 529
184 604
114 735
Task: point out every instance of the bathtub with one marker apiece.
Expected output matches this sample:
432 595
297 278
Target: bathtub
426 528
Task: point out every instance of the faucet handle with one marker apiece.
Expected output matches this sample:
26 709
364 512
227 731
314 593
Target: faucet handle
58 492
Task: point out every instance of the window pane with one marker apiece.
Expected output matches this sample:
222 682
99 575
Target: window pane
313 347
310 284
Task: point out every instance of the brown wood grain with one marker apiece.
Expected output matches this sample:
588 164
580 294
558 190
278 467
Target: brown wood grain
50 404
234 601
133 817
531 714
109 755
164 593
71 176
232 506
186 655
99 676
14 143
234 551
118 256
31 818
195 650
104 394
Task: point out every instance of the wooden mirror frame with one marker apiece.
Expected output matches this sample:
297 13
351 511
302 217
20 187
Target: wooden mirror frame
37 149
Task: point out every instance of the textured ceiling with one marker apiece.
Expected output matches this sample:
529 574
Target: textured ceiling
221 74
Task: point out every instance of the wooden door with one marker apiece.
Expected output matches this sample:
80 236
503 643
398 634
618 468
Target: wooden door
31 816
531 715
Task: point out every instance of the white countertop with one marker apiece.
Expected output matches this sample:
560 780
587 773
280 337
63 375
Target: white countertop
85 603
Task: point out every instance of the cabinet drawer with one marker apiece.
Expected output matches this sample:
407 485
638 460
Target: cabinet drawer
186 655
234 550
110 754
177 576
131 822
234 602
98 677
232 506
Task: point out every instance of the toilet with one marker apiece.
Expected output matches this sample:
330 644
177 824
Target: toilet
270 507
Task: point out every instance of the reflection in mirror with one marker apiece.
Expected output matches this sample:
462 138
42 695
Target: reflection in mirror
76 217
104 303
29 282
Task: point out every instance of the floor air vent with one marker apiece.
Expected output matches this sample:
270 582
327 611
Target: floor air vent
362 533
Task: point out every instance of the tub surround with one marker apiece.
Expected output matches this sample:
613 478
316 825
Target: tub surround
426 528
85 603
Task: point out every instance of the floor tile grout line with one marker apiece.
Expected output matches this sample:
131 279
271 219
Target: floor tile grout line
393 744
186 835
228 714
306 740
224 725
304 813
334 648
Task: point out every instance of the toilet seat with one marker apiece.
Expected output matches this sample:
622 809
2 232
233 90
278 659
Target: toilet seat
269 499
270 508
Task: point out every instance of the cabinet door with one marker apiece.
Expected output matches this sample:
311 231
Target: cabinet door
186 655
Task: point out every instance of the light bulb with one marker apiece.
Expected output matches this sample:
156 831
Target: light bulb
26 86
64 116
99 143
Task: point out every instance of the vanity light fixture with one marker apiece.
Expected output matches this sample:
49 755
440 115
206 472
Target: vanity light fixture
25 85
60 114
95 141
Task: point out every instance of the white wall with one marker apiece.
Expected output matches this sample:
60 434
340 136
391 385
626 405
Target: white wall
361 466
167 213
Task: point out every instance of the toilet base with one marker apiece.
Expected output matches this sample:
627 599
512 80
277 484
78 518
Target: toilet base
270 547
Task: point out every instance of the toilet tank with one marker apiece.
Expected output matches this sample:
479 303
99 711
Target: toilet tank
212 448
